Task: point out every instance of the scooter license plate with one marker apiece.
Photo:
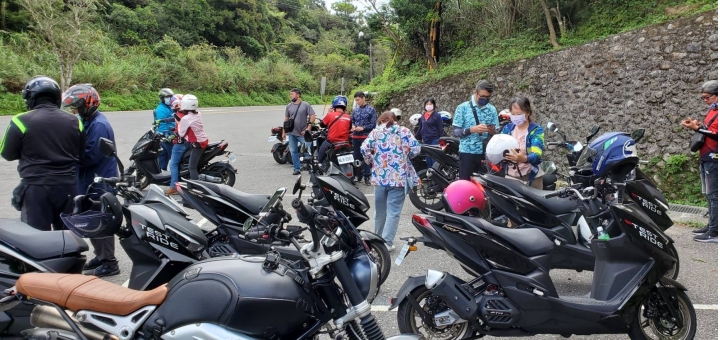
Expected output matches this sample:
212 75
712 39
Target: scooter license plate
232 158
345 159
272 139
403 252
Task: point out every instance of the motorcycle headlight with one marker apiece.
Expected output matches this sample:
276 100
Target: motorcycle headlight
191 245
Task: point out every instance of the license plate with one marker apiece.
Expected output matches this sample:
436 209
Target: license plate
232 158
345 159
272 139
403 251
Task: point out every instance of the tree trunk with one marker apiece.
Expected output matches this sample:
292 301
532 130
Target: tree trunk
509 19
551 28
3 6
432 63
560 20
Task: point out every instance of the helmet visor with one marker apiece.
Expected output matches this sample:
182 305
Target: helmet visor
586 158
71 103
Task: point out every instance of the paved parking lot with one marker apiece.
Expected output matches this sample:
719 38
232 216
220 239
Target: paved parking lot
246 129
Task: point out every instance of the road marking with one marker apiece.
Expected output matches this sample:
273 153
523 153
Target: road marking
383 308
126 283
202 222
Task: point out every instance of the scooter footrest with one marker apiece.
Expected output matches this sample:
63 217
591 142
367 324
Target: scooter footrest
221 249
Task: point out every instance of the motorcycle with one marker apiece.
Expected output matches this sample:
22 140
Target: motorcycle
316 295
512 293
230 209
146 167
340 154
280 150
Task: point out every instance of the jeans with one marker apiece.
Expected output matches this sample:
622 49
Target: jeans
293 143
388 205
709 178
177 153
358 155
195 154
165 155
322 151
469 164
429 159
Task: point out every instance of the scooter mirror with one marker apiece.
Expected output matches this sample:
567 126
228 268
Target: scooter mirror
107 147
298 185
552 127
548 167
577 147
594 130
638 134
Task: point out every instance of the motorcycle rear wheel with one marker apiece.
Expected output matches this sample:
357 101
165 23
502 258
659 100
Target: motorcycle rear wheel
141 180
379 251
419 196
228 177
279 157
409 322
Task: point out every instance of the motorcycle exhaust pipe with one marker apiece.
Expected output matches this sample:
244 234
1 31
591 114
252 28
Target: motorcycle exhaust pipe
440 182
49 317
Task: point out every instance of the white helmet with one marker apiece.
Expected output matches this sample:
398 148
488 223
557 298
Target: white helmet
189 103
445 115
397 112
498 145
415 119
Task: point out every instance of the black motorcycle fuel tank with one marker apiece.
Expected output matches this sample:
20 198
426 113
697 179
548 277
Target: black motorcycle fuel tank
237 293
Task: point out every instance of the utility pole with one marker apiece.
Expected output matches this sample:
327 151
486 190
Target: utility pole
371 61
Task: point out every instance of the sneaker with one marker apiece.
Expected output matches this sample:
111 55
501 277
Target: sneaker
296 172
701 231
708 237
106 269
92 264
367 181
390 248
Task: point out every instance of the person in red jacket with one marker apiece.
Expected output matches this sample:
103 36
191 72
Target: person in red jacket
708 159
338 123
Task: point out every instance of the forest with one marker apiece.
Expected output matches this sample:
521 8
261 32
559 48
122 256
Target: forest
251 52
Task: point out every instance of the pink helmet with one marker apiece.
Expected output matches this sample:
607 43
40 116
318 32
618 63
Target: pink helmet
462 197
175 101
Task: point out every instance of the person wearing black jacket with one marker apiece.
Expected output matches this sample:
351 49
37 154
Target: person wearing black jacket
48 143
430 127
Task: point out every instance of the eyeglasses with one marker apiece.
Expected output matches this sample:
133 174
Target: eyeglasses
706 97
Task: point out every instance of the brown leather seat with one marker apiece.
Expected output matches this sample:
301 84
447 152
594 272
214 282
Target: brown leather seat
81 292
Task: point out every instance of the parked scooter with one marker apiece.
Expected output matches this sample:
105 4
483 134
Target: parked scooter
280 150
512 293
246 297
146 168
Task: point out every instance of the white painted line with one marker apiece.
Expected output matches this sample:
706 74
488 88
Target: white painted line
383 308
202 222
126 283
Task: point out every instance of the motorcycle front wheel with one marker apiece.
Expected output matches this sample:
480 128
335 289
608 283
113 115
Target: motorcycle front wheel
410 322
658 324
279 157
423 196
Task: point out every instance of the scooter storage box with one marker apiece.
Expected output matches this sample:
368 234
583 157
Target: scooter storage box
236 293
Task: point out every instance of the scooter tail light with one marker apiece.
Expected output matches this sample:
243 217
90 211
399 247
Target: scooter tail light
422 221
223 146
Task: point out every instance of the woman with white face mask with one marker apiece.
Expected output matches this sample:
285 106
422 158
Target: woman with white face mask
430 127
524 164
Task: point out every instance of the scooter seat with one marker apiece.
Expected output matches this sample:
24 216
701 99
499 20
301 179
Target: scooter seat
252 202
557 206
82 292
529 241
38 244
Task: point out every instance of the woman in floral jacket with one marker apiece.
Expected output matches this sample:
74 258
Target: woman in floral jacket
389 148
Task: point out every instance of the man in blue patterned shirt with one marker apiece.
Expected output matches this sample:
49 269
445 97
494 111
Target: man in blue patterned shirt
474 122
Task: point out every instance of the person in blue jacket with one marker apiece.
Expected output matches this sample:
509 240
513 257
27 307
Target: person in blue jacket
430 127
163 115
364 120
83 100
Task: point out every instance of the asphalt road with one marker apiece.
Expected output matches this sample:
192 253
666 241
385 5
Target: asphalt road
246 129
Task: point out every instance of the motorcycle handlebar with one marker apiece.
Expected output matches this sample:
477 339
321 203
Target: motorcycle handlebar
254 235
555 143
307 215
555 194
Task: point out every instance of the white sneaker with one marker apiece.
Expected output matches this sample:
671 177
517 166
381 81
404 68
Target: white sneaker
391 248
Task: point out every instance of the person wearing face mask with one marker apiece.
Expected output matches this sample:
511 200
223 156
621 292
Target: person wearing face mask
708 159
163 115
430 127
475 122
524 164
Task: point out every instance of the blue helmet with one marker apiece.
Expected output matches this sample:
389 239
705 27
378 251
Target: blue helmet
613 154
340 101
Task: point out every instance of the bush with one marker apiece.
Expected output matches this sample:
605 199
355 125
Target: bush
678 177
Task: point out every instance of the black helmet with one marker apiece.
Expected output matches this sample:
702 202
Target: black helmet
41 86
94 219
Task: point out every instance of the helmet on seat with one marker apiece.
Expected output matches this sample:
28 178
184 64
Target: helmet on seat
82 97
41 86
446 116
339 101
613 153
397 112
464 197
498 146
415 119
94 219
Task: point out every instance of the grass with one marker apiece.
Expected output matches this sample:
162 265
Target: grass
606 21
12 104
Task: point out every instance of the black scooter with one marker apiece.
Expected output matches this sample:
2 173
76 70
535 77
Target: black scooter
512 293
146 168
